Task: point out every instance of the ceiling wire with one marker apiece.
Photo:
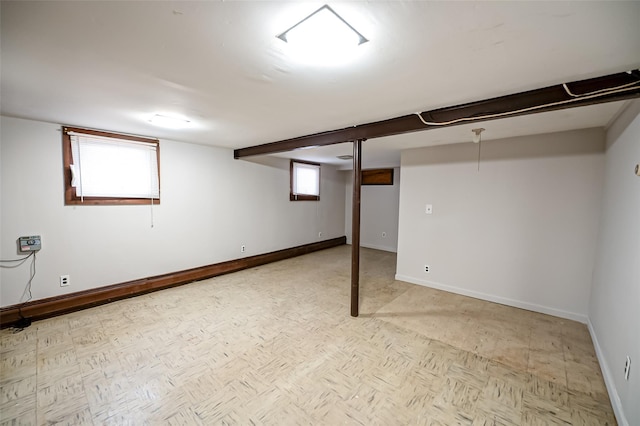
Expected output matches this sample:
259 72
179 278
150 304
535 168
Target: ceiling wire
566 89
596 94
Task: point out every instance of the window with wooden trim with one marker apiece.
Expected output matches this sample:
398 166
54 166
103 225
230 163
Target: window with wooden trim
110 168
305 181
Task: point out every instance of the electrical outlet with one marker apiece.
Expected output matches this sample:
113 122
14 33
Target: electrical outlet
320 234
384 235
429 209
243 249
627 367
65 280
427 269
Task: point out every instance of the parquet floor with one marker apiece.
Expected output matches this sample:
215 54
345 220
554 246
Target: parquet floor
275 345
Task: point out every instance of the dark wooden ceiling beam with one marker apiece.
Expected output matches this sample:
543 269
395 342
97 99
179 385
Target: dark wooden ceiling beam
540 100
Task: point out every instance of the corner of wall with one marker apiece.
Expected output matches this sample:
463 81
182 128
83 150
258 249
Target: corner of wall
492 216
613 315
629 112
616 403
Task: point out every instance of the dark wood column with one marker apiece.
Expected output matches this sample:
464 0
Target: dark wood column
355 227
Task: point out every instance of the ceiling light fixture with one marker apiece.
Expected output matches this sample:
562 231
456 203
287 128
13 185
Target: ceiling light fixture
168 121
323 37
307 147
345 157
477 137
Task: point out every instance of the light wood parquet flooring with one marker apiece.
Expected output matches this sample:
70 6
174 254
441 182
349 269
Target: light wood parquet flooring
275 345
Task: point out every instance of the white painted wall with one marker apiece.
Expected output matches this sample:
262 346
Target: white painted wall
521 231
378 213
211 205
1 251
614 311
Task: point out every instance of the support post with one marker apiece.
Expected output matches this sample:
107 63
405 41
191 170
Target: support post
355 227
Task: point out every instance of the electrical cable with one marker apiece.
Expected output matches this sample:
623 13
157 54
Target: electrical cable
570 93
22 259
596 94
32 274
26 322
23 322
479 150
151 211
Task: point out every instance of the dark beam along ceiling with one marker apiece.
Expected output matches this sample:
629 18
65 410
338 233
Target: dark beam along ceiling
609 88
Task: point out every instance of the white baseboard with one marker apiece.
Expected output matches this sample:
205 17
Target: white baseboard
383 248
497 299
608 379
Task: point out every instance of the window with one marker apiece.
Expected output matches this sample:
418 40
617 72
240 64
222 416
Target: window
108 168
305 181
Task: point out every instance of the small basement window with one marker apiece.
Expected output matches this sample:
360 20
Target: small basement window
109 168
305 181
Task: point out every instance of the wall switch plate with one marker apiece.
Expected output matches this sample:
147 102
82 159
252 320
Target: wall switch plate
429 209
627 367
65 280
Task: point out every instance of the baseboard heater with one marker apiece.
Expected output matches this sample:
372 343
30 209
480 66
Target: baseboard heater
58 305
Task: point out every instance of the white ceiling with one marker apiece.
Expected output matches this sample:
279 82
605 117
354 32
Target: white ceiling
111 65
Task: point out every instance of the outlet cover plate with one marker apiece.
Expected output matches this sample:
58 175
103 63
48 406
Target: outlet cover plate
627 368
65 280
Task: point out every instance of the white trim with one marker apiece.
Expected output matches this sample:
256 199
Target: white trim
497 299
383 248
608 379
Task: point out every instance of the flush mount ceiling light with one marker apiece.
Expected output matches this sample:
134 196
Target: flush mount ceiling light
169 121
323 37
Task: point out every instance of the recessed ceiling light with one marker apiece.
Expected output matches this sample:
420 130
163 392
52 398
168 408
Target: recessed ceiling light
323 38
169 121
306 147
